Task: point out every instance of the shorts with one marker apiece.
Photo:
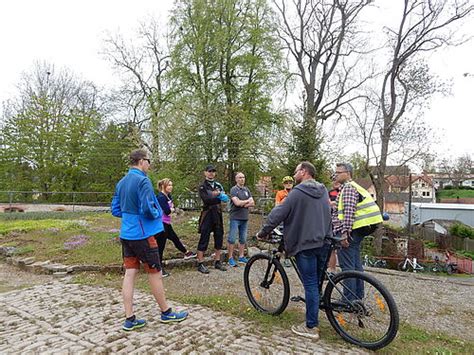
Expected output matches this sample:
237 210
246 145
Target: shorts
145 251
208 226
237 225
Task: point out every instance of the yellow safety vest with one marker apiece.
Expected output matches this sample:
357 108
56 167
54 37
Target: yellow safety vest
367 212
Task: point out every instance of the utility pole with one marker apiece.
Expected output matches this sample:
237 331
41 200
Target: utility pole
409 205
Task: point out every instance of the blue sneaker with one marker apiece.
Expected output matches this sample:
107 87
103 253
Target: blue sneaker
243 260
232 262
135 324
174 317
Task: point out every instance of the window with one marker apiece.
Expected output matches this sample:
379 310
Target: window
423 184
426 194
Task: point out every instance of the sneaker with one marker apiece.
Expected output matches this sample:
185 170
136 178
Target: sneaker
203 269
232 262
164 273
174 317
304 331
189 255
133 324
243 260
218 265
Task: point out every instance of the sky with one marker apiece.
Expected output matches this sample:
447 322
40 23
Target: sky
71 33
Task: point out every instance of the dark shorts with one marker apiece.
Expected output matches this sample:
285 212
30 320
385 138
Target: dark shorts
211 225
145 251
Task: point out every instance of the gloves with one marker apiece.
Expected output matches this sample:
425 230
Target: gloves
223 197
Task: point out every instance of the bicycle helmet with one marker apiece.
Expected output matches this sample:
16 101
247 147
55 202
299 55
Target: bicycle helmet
288 179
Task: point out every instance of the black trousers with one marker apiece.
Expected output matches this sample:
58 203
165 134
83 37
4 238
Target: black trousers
170 234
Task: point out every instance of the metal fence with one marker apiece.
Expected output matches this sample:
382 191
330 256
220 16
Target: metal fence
34 201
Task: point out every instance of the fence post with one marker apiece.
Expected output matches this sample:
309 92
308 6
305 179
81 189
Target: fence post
73 200
10 200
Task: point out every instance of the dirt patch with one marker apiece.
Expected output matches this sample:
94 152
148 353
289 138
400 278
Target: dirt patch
12 278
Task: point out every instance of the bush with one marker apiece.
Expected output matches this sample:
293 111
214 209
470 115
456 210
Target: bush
462 230
468 254
449 187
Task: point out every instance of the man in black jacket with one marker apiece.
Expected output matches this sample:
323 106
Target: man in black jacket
212 194
306 217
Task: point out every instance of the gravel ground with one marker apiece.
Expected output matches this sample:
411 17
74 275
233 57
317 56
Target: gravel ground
432 303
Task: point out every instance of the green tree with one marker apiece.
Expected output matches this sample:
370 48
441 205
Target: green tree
225 66
48 130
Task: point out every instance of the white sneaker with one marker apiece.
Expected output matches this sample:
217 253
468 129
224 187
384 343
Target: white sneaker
304 331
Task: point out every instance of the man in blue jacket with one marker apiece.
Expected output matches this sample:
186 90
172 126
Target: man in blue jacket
306 217
135 203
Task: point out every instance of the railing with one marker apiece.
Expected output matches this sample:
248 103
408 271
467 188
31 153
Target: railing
11 201
26 201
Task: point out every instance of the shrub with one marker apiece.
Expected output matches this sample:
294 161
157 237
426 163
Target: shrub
462 230
466 253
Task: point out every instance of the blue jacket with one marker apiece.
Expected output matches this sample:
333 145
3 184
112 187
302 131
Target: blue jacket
135 202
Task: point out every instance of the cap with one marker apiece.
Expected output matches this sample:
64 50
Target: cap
288 179
210 167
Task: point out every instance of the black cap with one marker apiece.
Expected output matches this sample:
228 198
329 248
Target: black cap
210 167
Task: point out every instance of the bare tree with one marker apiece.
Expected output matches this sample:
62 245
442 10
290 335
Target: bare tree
425 26
322 38
144 92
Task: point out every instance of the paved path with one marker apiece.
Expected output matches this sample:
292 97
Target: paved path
59 317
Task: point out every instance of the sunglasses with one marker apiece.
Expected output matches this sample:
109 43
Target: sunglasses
148 160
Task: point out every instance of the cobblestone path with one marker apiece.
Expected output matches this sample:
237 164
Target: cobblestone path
59 317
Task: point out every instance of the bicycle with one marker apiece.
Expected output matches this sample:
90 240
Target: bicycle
374 262
449 267
371 322
410 264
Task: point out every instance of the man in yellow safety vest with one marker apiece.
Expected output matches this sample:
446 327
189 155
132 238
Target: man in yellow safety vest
359 216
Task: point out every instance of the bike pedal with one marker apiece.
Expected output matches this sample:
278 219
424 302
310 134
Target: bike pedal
297 299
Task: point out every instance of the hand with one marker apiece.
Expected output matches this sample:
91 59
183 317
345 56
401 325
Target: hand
345 243
216 193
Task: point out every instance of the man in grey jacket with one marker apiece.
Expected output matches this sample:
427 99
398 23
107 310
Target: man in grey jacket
306 216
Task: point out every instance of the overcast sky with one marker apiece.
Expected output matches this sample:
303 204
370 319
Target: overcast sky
70 34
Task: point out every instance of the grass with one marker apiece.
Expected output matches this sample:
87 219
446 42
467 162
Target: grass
455 193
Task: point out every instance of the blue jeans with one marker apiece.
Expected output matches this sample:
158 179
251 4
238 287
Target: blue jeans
311 264
237 225
349 259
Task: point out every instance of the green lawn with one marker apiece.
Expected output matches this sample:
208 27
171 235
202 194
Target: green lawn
455 194
90 238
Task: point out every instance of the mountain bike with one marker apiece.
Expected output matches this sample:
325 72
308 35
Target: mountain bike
370 322
449 267
370 261
411 264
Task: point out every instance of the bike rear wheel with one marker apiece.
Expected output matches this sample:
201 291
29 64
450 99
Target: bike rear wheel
370 321
266 284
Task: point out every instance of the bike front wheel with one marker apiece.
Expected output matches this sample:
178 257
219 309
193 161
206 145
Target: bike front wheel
266 284
402 266
361 310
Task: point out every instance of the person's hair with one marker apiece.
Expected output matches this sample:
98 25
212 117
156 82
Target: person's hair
163 184
310 169
346 166
136 156
237 173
